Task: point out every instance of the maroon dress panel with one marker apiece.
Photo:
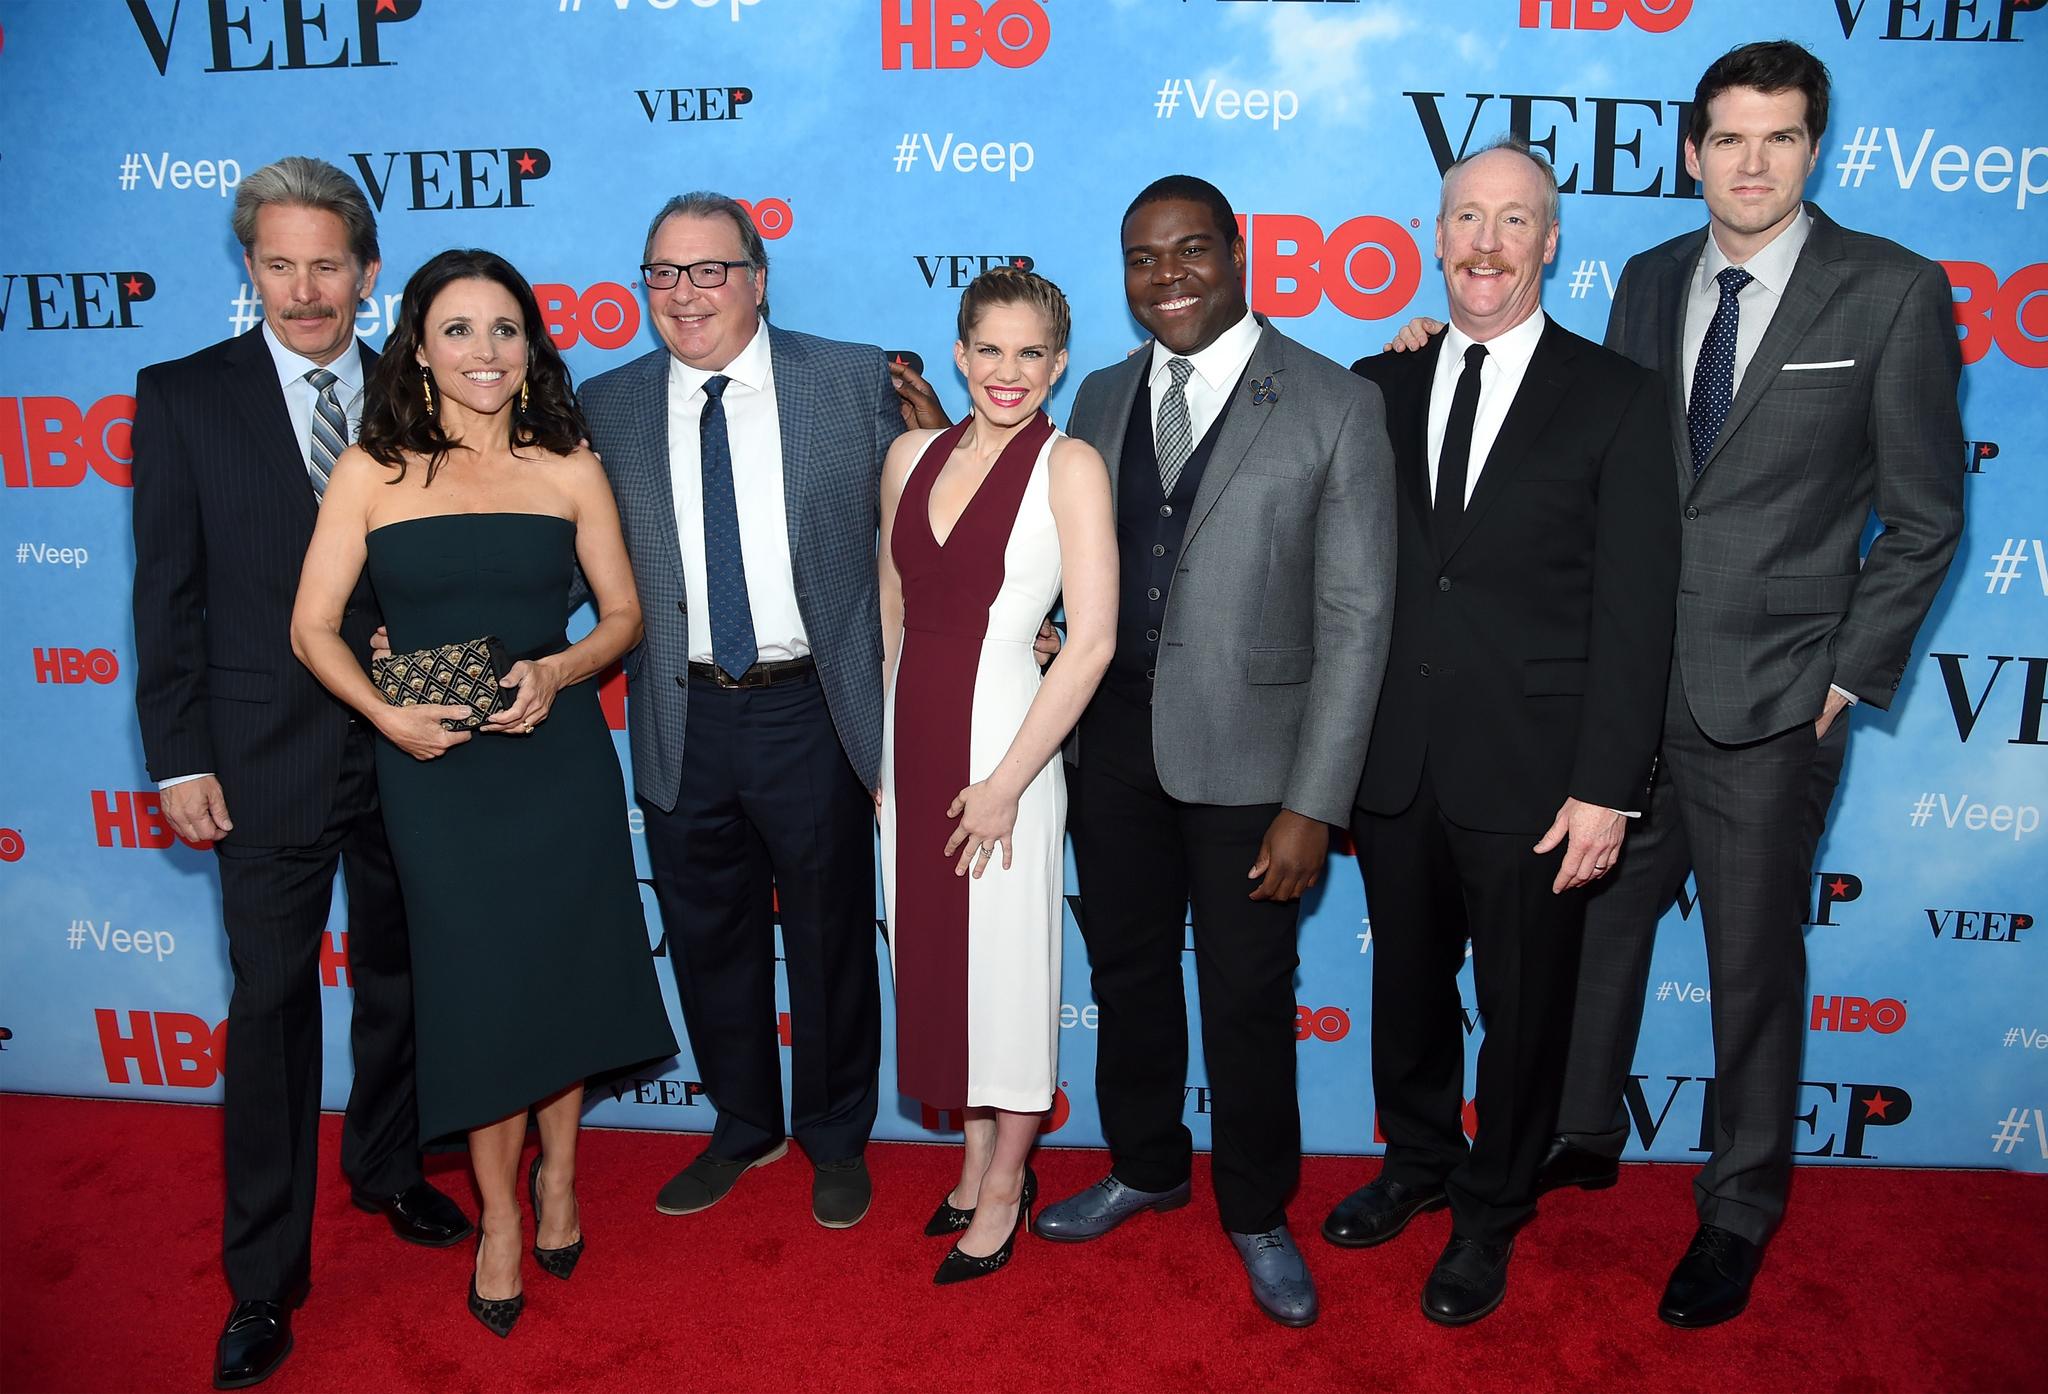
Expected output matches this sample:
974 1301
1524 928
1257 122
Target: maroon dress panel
947 592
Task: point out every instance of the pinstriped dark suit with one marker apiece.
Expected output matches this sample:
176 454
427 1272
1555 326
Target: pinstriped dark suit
770 795
224 512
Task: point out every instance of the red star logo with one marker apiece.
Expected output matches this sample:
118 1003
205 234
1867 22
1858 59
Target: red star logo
383 5
133 285
1839 887
1875 1105
526 162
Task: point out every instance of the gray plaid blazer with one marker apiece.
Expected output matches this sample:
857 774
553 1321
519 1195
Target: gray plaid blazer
838 414
1848 405
1279 619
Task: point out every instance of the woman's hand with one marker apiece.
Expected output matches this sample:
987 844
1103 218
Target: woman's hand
1047 644
987 816
538 680
418 730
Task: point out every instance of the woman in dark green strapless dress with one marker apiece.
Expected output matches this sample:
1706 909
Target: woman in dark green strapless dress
472 503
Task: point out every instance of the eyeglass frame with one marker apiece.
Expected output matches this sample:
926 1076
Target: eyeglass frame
688 272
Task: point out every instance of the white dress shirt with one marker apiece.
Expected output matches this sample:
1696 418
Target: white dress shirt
1771 265
298 401
1218 370
299 395
1500 378
754 430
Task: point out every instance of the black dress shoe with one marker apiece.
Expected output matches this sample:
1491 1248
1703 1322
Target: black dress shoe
498 1316
1470 1280
841 1193
1568 1164
1375 1213
419 1214
1711 1283
560 1262
958 1267
254 1343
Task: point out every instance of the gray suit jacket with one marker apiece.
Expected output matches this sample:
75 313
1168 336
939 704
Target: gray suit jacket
1773 605
1277 625
838 415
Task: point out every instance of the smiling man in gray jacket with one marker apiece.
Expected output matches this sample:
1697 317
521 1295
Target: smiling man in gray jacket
1255 517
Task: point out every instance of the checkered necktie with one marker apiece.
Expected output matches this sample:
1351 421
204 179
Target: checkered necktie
1713 377
330 431
725 568
1176 435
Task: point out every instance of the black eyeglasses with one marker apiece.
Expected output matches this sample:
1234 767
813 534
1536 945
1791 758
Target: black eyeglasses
663 275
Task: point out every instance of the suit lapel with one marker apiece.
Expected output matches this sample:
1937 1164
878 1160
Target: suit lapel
1123 399
1813 283
793 421
257 394
650 427
1408 425
1241 427
1672 288
1536 401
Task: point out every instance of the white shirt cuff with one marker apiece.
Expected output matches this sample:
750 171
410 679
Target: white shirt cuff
1844 693
1626 813
163 784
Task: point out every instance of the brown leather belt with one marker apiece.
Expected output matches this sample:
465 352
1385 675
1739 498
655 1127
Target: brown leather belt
760 675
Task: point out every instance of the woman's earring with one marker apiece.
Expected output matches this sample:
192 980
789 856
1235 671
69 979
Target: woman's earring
522 396
426 389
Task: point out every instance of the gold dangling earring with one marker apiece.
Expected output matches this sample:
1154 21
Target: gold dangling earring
426 389
522 397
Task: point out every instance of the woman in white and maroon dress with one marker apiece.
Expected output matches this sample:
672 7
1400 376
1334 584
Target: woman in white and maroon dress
985 526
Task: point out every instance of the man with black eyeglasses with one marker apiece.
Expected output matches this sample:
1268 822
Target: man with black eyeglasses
747 460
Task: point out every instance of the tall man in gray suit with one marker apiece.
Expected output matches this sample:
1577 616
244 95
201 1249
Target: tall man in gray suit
1812 374
1255 517
746 460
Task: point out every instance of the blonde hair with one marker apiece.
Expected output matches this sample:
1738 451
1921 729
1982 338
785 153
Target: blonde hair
1010 285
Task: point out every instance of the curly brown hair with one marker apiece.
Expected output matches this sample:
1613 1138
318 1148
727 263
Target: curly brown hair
397 421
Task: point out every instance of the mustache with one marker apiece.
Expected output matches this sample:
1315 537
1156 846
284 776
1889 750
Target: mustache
318 310
1487 262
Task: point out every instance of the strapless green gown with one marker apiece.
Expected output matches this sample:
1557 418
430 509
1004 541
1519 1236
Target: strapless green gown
530 961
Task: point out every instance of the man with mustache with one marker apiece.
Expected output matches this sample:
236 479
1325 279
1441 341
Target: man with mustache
1254 503
1518 725
232 450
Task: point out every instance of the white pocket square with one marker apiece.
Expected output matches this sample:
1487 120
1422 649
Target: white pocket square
1810 367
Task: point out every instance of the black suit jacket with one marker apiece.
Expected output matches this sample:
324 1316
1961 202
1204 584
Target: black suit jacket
1530 659
223 515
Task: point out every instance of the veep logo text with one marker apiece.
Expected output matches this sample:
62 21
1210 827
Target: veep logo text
1609 115
76 666
959 33
1943 21
959 270
93 299
233 35
469 177
1980 926
48 443
1968 710
1650 16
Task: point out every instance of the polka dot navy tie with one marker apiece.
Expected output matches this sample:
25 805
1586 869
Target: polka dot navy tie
1713 377
725 569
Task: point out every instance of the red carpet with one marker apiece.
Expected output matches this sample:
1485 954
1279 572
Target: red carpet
110 1280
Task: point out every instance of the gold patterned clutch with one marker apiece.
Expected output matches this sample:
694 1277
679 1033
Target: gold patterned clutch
455 675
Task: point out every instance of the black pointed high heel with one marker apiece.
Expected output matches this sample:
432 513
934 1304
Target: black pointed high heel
958 1267
951 1219
497 1314
559 1262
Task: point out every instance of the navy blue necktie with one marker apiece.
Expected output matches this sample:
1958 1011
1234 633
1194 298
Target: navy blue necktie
725 568
1713 376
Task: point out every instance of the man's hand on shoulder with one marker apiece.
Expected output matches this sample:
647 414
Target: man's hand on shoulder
1291 858
919 402
197 809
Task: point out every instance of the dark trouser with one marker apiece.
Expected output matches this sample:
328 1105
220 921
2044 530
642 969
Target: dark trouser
275 903
1429 886
1745 819
770 813
1143 857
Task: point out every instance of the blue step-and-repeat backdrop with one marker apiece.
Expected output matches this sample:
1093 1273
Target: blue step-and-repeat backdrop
890 150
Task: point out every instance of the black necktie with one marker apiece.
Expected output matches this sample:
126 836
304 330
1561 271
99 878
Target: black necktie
1452 464
1713 376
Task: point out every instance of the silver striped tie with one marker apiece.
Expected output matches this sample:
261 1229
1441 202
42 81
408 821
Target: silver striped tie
330 431
1176 437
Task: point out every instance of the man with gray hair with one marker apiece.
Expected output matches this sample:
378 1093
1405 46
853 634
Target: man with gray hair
1516 730
747 463
252 756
